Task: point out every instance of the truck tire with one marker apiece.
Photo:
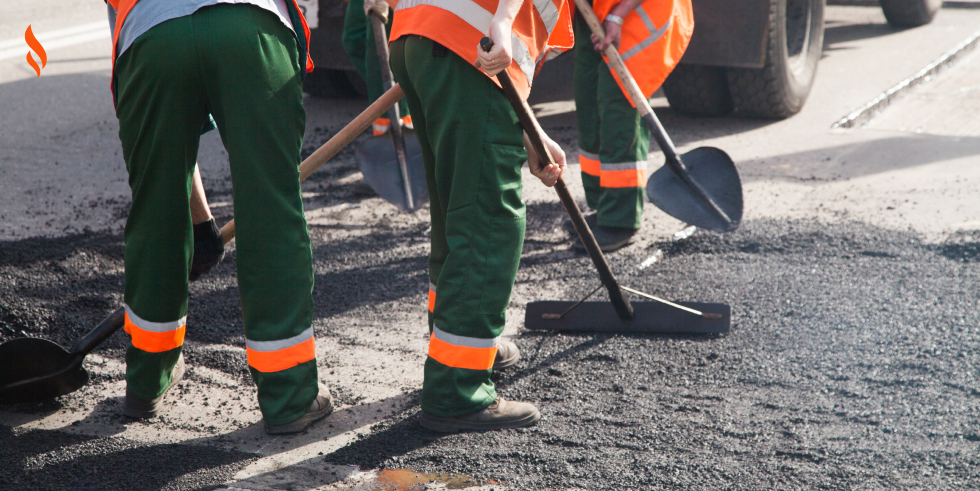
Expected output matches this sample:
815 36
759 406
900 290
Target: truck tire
910 13
794 46
334 84
698 90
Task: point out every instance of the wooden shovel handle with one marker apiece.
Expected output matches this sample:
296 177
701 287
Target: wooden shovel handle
646 112
333 146
615 61
536 136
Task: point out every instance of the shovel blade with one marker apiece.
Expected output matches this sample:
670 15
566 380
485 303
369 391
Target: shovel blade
714 170
378 161
36 369
648 317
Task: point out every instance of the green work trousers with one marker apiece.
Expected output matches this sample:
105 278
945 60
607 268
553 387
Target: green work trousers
612 137
241 64
358 41
473 149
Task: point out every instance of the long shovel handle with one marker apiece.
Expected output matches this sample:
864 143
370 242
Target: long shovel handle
646 112
326 152
535 136
333 146
395 126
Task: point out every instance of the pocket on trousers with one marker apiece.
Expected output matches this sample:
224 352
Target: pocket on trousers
503 256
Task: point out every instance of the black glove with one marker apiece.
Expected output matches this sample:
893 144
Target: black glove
209 249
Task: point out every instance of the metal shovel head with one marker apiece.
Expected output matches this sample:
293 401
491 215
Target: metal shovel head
648 317
378 162
37 369
714 170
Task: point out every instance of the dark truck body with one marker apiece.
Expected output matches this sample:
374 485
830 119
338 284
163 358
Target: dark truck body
757 58
728 33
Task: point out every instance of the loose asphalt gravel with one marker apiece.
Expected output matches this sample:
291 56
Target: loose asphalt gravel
851 364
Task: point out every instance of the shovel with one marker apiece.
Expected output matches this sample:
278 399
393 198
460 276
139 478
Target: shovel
33 369
619 314
395 172
701 187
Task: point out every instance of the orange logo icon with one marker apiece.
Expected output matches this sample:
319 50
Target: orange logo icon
36 46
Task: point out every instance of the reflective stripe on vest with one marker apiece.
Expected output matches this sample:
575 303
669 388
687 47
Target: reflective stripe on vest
589 162
461 351
655 34
651 52
460 24
432 297
154 337
275 356
623 175
123 7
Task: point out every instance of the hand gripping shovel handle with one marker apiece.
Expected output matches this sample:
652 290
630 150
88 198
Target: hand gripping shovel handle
534 135
328 150
395 126
646 112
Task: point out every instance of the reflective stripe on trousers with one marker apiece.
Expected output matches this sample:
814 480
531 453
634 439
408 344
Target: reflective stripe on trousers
461 351
380 125
432 297
275 356
154 337
613 174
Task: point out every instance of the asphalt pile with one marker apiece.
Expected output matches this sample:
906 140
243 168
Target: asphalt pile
851 361
851 364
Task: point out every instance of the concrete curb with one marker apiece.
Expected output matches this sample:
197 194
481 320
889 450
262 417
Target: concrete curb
867 112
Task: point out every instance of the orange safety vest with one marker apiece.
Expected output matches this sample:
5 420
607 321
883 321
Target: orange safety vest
124 6
460 24
655 36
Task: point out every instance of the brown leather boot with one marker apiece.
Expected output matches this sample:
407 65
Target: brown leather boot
499 415
507 355
137 408
321 408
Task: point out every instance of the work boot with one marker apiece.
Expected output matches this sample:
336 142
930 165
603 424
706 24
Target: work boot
209 249
507 355
499 415
321 408
137 408
591 220
609 238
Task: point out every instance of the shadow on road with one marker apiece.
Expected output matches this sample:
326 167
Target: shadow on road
852 160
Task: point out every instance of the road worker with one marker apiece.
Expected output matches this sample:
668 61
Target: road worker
359 43
473 149
175 62
651 36
209 249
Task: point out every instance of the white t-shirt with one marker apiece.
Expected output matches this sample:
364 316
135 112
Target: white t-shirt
148 13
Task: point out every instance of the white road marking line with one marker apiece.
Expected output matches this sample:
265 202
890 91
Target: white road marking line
58 38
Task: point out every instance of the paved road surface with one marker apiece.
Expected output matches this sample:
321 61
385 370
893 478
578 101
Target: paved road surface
897 194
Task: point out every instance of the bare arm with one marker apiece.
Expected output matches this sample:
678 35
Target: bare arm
614 31
502 53
548 173
200 211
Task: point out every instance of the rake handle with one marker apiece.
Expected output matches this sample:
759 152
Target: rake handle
633 91
535 136
333 146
